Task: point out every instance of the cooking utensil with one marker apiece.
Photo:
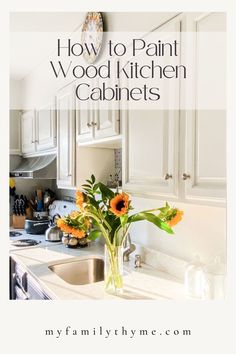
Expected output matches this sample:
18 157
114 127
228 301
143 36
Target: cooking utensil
36 226
53 233
39 198
40 215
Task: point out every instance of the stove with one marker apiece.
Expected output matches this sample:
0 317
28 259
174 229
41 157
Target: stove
20 238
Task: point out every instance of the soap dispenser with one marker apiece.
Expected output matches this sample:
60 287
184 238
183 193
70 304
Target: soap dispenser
194 278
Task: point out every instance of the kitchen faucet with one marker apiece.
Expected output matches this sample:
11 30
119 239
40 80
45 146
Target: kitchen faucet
129 248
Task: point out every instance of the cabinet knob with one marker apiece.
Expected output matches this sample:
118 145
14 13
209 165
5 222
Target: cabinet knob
167 176
94 124
89 125
69 175
32 141
185 176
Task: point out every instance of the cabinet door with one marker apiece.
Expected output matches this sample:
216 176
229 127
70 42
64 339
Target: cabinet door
84 120
106 119
205 150
151 153
46 128
205 156
66 138
15 146
28 132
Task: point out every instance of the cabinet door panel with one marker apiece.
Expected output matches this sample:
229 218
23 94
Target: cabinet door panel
205 151
66 138
28 132
46 128
107 123
206 155
151 152
84 119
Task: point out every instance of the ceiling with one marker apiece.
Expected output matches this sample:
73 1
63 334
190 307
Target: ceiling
41 27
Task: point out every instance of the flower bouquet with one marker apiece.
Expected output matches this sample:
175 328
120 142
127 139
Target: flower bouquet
104 213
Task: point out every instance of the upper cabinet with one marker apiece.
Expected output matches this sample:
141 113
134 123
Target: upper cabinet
96 122
15 135
28 143
179 155
204 174
38 131
66 137
46 128
203 171
150 152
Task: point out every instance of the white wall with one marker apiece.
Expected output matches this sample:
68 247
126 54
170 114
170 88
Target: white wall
202 231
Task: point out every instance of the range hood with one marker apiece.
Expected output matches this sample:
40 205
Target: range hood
41 167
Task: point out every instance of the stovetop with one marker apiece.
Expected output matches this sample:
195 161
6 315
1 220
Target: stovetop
40 240
57 207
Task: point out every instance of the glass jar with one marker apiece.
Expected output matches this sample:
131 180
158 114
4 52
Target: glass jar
113 270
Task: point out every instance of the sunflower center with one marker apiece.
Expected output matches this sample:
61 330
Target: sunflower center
120 205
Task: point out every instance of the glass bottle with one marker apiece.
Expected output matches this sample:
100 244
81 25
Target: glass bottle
193 281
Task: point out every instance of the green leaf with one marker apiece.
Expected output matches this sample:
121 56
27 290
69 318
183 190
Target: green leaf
86 185
124 219
90 182
93 179
94 234
151 218
106 192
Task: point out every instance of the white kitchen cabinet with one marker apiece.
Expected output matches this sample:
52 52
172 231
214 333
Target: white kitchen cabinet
107 123
150 153
204 175
28 132
46 128
38 131
84 121
65 105
94 124
15 135
150 144
204 131
96 121
179 154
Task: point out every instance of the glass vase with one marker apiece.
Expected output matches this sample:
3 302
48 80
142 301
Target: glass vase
113 269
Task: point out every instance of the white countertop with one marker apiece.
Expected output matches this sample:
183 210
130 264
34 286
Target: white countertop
139 283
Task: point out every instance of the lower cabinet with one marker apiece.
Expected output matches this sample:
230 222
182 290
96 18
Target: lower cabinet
23 286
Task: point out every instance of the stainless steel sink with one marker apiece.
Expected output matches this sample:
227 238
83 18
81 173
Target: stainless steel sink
80 272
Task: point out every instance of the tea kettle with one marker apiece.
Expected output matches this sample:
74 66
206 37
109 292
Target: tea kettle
53 233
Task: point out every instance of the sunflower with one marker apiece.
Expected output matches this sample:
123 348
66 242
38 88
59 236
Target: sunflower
176 218
74 214
77 233
119 205
79 199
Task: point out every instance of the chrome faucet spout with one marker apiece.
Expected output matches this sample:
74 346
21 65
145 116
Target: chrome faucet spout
129 248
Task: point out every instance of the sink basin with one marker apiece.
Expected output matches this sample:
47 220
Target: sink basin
80 272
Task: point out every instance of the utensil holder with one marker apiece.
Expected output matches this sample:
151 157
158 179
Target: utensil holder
18 221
